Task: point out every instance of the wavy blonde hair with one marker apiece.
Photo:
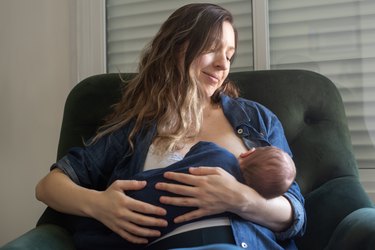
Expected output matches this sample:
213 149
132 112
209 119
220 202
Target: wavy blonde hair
163 92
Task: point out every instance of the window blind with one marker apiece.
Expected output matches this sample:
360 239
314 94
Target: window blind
132 23
337 39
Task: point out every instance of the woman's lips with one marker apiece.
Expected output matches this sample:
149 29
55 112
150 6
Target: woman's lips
213 77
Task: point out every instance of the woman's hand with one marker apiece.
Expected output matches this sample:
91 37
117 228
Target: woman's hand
211 189
126 216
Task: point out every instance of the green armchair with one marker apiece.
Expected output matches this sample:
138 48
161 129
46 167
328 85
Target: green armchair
340 215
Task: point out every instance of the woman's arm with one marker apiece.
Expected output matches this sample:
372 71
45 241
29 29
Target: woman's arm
275 214
123 215
215 191
53 190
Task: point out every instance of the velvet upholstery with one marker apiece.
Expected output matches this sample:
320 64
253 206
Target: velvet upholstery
340 214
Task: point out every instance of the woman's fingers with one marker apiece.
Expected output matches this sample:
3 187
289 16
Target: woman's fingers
136 213
128 217
134 233
180 201
131 227
177 188
131 238
187 179
203 171
209 189
196 176
190 216
139 231
144 208
128 184
136 205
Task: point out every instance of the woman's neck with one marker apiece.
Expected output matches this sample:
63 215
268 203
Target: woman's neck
209 108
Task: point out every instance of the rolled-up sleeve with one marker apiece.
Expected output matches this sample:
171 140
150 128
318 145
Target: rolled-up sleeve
64 165
298 226
91 166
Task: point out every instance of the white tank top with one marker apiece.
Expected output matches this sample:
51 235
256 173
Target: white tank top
154 160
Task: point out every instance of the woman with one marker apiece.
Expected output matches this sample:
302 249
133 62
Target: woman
181 96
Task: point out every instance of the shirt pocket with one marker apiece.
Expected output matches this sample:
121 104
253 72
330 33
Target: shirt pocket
251 137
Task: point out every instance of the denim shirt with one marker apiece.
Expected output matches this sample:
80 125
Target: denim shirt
98 165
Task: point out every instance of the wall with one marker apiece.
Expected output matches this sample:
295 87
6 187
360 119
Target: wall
37 69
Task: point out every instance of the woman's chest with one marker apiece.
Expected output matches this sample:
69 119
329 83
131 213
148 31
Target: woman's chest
216 128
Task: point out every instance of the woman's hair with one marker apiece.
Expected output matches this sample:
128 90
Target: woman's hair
163 90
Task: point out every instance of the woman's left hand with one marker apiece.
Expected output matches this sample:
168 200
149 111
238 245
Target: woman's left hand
211 189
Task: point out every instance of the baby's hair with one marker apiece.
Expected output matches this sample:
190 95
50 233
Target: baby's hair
273 177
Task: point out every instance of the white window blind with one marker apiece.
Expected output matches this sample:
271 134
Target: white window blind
132 23
337 39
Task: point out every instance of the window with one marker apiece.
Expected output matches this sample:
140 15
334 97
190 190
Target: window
132 23
337 39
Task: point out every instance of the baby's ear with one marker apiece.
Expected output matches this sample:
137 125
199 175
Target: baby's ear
247 153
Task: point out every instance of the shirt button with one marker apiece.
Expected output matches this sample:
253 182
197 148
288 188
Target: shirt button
243 245
240 131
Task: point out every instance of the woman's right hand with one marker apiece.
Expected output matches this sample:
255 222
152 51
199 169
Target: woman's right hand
126 216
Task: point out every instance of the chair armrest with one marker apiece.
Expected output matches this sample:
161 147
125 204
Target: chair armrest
356 231
46 236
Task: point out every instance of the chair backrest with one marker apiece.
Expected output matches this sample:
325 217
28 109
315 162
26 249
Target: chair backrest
312 113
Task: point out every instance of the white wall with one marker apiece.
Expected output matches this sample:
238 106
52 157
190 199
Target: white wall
37 70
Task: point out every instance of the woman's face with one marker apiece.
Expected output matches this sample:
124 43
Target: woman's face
212 67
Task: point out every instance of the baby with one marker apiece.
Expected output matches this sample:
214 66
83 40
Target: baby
268 170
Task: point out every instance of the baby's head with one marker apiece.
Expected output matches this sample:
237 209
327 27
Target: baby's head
268 170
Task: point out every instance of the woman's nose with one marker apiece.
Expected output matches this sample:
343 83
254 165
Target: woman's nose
221 61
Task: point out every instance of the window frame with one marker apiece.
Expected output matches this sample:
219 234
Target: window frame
91 38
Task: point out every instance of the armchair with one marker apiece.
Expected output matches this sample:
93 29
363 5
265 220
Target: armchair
340 214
